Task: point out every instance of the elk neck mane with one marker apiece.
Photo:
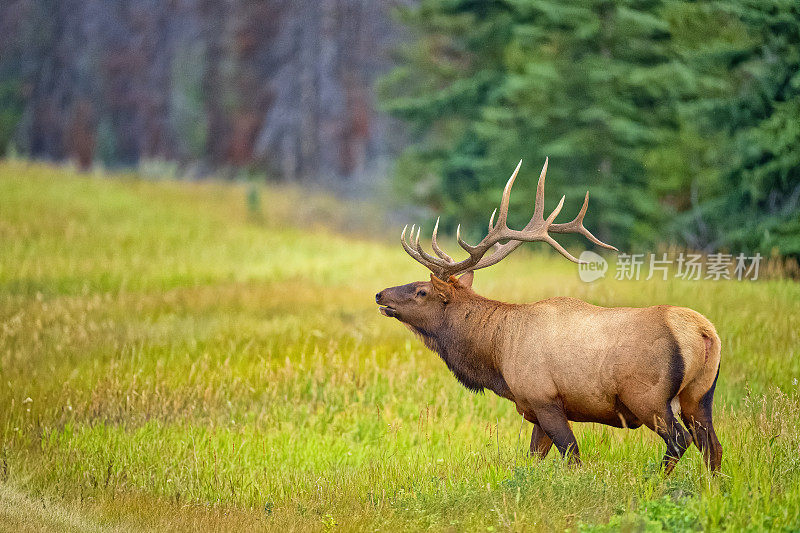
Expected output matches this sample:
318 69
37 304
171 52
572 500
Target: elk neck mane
468 341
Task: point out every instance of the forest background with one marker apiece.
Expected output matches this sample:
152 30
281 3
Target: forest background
681 117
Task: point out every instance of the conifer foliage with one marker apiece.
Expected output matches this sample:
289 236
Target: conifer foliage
682 118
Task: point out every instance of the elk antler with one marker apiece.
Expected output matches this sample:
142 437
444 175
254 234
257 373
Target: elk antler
538 229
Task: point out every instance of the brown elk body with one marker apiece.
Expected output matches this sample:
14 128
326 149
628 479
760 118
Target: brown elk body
562 359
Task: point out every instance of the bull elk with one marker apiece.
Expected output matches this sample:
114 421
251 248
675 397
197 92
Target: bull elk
562 359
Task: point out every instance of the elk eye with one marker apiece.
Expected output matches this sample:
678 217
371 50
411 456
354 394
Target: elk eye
423 292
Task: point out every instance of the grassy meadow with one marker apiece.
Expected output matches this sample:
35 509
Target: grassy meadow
205 356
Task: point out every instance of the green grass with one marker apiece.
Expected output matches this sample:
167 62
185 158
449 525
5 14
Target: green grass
170 359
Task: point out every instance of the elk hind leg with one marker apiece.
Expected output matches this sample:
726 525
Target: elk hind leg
675 436
664 423
696 414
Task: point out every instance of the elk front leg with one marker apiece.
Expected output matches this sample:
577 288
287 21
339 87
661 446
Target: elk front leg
554 423
540 442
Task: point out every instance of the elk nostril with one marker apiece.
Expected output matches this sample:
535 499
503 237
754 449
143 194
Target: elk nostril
378 297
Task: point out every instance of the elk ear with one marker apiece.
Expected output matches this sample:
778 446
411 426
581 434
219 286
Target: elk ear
442 288
466 279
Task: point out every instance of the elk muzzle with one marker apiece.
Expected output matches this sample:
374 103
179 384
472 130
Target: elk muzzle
385 309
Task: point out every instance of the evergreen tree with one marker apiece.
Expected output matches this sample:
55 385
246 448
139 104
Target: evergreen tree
590 84
449 73
681 117
753 204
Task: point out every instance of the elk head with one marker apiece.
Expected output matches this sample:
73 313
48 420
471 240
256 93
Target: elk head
422 304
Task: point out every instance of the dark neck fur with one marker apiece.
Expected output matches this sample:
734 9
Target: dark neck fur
466 342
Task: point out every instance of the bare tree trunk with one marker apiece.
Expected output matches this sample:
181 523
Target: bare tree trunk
282 84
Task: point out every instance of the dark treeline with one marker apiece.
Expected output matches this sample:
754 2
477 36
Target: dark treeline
681 117
280 85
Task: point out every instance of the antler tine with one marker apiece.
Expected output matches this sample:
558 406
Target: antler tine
435 244
461 242
500 251
552 242
428 257
537 229
501 219
504 201
576 226
409 250
497 246
538 205
407 247
555 212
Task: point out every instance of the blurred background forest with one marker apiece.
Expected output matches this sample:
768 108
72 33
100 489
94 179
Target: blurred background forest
681 117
